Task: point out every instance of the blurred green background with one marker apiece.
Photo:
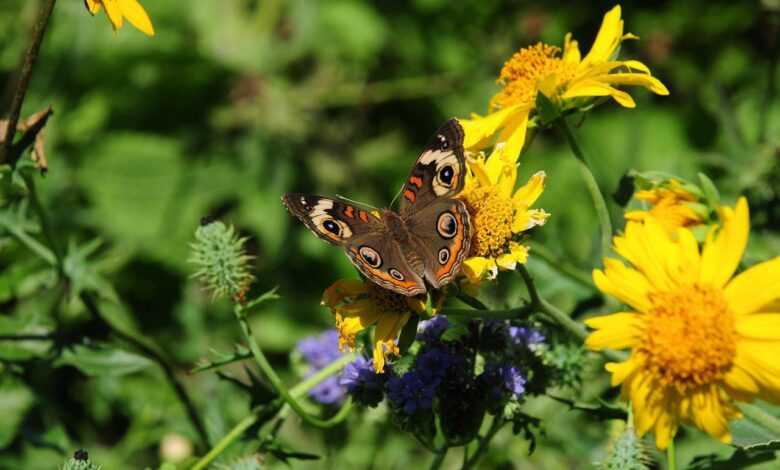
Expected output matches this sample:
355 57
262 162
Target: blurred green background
235 102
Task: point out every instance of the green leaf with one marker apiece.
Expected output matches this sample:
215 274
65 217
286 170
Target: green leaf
548 111
711 194
103 361
454 333
15 400
602 411
408 334
740 458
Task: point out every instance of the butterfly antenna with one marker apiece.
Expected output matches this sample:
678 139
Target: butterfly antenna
357 203
395 198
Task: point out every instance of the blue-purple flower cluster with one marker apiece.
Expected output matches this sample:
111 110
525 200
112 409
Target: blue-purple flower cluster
319 351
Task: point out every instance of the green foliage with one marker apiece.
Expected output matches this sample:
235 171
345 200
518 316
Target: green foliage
80 461
232 104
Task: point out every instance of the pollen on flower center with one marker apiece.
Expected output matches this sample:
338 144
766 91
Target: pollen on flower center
689 338
522 72
491 219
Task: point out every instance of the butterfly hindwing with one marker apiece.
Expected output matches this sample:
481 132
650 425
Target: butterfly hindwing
379 257
442 235
439 171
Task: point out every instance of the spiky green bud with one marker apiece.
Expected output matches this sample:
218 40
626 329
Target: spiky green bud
627 452
224 266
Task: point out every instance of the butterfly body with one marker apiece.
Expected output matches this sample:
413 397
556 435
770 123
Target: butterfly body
424 243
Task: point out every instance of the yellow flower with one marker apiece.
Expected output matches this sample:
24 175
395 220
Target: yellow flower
700 338
670 206
499 213
358 305
564 77
118 10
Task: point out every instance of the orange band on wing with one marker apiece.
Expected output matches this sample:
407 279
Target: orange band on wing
409 195
363 216
349 211
377 275
455 249
416 181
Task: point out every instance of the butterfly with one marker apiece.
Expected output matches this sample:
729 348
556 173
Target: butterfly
421 245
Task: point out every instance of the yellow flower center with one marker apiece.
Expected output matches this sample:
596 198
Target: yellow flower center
386 301
689 337
521 74
491 219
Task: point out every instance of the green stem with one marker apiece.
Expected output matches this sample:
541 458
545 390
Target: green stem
483 443
671 458
46 228
761 417
507 314
438 458
277 383
554 313
299 390
599 203
564 267
32 244
23 84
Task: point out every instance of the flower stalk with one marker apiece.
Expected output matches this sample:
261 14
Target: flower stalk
25 74
599 203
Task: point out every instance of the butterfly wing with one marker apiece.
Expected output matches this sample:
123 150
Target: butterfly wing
439 172
364 237
441 233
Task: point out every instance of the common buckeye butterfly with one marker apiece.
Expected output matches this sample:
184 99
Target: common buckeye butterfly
424 242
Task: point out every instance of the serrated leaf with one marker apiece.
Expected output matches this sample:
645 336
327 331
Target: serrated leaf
740 458
103 361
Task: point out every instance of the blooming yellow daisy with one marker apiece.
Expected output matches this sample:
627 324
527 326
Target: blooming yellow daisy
565 77
499 213
700 338
118 10
358 305
670 205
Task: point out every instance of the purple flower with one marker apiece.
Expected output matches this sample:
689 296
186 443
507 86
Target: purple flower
416 389
430 331
362 382
320 350
327 392
521 336
502 380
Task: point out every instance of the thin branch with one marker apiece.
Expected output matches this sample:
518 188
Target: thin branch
24 77
483 444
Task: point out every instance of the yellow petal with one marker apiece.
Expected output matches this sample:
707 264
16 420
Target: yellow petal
518 254
649 249
615 331
608 38
477 268
93 6
479 130
340 290
137 16
637 79
479 170
530 192
514 133
622 370
387 330
722 252
589 88
625 284
636 65
755 287
709 414
571 50
741 380
114 12
764 326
